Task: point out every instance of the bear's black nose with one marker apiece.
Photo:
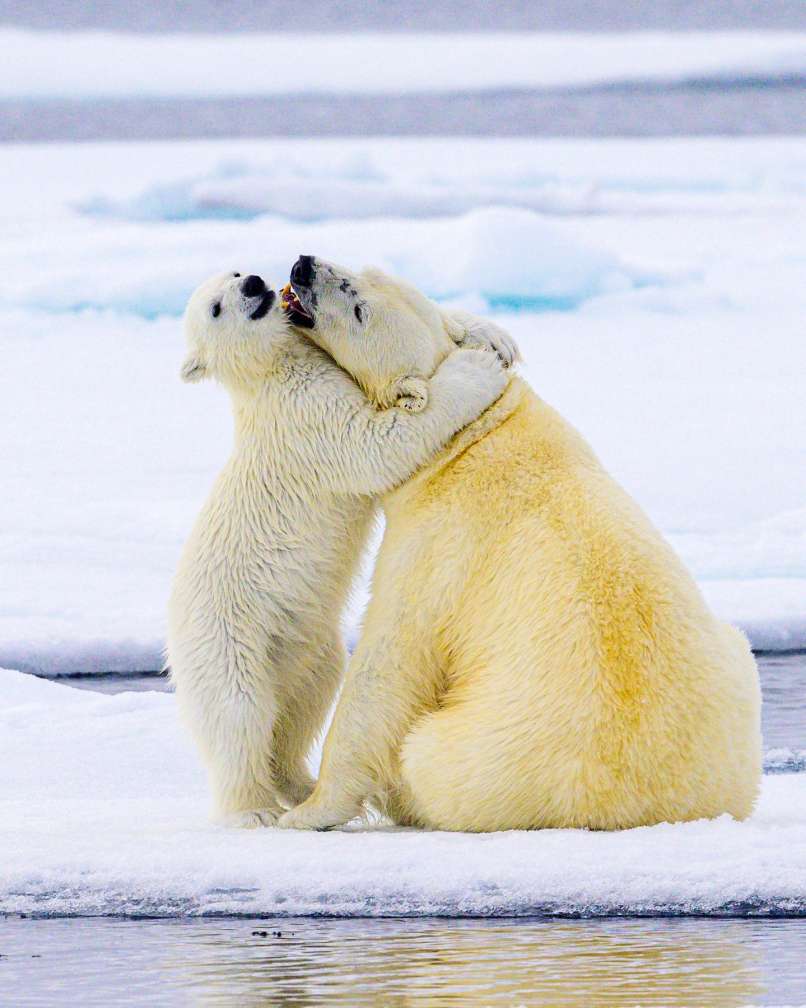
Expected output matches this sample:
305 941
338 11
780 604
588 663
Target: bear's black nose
302 271
252 286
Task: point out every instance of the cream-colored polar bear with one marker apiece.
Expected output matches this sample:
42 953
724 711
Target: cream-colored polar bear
253 644
534 654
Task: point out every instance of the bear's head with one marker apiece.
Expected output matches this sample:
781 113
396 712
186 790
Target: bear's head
233 326
386 334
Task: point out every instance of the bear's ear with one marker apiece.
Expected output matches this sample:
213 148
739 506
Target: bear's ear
194 369
410 393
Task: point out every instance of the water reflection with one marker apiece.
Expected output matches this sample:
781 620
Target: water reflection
226 963
563 963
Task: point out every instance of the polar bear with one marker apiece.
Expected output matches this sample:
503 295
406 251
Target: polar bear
534 654
253 639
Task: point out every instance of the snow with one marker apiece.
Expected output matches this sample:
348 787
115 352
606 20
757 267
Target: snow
655 288
93 64
104 811
449 258
320 180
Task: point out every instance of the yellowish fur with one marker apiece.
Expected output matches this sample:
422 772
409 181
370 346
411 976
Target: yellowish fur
534 653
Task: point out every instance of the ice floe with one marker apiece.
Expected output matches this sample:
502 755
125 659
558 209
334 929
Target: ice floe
104 811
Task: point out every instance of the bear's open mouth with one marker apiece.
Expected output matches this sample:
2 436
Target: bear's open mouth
294 309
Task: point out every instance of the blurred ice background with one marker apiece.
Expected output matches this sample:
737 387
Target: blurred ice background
622 184
653 89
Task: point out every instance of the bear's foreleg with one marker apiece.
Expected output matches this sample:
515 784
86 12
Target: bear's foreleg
387 687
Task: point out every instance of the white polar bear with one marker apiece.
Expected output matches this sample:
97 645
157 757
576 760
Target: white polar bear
253 639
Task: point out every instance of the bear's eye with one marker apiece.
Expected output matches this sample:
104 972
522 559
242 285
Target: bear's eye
215 309
236 274
358 315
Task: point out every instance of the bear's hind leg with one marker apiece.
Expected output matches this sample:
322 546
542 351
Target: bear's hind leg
233 728
242 776
302 709
394 802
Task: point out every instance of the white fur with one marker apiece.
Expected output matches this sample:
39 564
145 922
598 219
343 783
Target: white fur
253 642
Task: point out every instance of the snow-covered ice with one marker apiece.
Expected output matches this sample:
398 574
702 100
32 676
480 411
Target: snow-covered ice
656 289
320 180
94 64
104 811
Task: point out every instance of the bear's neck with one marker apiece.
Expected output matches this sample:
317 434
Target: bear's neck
513 396
251 414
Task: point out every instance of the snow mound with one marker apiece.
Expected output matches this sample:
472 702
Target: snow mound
362 185
104 812
507 257
514 260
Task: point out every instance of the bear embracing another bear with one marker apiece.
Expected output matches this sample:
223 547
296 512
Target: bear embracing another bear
254 645
534 654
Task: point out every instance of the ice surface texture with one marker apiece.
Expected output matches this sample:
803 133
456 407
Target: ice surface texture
104 811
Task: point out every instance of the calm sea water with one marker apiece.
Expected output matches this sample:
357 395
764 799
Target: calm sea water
783 715
738 108
244 963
